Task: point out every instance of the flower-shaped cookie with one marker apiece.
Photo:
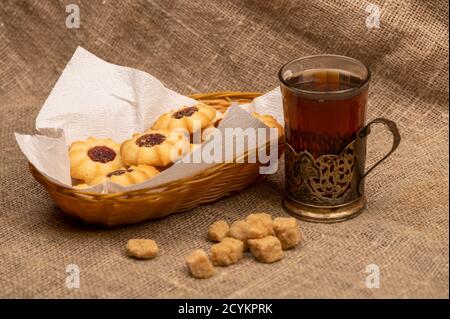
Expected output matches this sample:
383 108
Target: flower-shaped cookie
128 176
190 118
94 157
270 121
155 148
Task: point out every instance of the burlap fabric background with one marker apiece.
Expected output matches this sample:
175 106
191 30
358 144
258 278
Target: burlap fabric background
199 46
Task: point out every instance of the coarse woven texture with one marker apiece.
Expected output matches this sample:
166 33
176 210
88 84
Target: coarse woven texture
198 46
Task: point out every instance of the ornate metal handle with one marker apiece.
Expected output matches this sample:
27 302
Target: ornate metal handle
392 127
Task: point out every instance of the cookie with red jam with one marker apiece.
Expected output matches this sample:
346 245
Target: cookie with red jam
155 148
190 118
94 157
128 176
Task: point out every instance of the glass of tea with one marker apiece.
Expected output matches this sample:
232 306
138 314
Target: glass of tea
325 104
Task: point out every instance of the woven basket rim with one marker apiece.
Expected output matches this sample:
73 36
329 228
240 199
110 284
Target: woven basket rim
228 96
216 181
203 174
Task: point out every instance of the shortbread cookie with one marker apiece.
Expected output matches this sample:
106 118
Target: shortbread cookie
154 148
207 132
199 264
229 251
269 121
94 157
267 249
190 118
128 176
287 231
142 248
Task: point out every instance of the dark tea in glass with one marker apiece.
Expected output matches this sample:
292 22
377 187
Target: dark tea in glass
324 101
324 125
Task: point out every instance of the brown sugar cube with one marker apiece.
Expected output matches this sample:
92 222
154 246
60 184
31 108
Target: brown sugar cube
218 230
229 251
287 231
142 248
259 225
238 230
199 264
267 249
264 217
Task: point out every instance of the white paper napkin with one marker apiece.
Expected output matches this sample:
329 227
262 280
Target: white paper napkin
95 98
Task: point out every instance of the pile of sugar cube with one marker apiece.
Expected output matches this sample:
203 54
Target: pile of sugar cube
265 238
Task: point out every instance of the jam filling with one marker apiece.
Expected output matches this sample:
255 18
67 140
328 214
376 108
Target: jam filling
119 172
187 111
149 140
102 154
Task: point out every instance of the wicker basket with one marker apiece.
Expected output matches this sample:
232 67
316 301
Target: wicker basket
131 207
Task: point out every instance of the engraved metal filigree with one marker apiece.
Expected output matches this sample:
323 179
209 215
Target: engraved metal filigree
325 180
330 188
